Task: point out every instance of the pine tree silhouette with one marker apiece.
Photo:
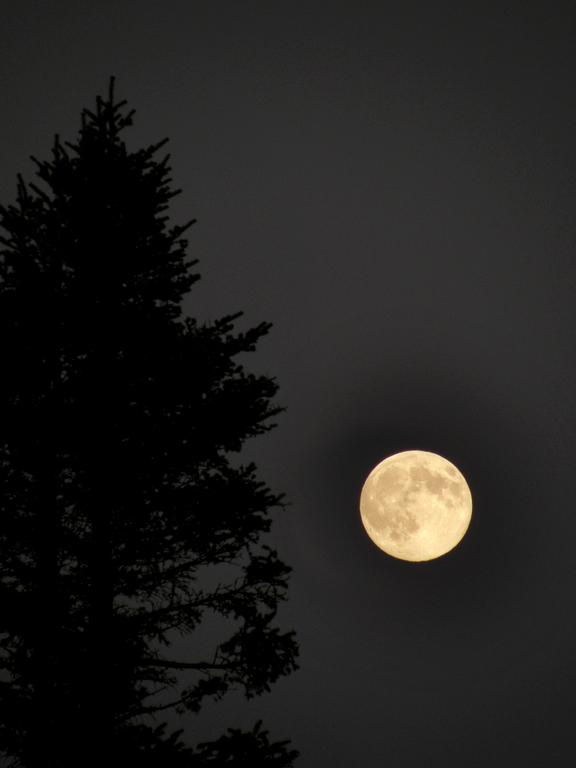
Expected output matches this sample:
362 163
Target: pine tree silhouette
119 490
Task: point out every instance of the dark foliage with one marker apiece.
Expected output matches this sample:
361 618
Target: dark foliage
120 495
148 748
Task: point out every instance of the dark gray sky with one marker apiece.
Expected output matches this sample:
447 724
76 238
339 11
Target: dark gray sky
394 187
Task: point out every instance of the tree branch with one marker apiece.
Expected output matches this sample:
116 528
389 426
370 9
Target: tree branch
201 666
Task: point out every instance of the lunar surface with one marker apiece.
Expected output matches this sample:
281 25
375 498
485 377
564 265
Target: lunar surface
416 505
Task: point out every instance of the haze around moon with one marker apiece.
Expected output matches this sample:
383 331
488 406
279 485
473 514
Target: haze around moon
416 505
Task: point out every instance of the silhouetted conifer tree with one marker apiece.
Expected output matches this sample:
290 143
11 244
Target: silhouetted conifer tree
119 494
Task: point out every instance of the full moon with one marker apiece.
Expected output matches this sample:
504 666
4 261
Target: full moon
416 505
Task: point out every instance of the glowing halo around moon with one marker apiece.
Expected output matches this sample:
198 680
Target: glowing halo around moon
416 505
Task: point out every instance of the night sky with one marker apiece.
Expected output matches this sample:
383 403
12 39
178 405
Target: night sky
393 186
